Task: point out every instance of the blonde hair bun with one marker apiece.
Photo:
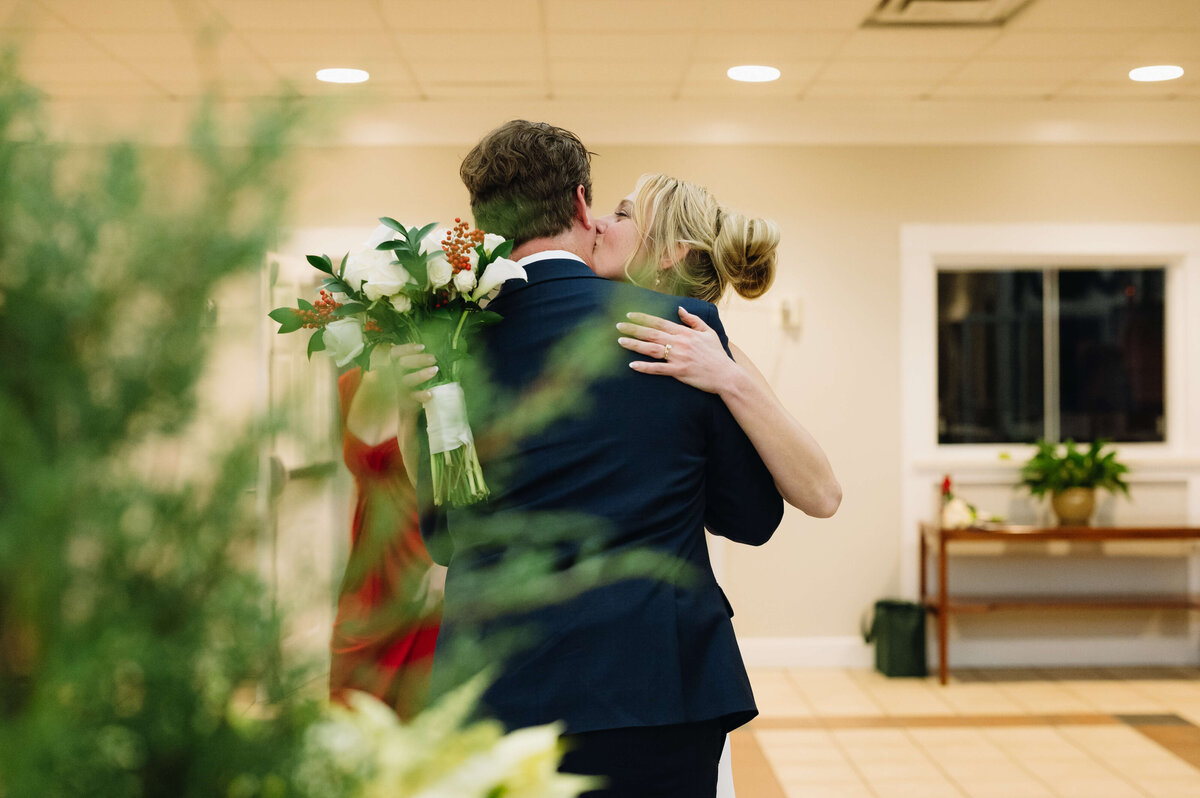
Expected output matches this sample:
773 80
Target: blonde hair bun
744 252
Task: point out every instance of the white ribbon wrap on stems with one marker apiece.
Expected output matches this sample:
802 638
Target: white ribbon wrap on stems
446 419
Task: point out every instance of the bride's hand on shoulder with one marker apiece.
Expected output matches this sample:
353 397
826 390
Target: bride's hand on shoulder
690 352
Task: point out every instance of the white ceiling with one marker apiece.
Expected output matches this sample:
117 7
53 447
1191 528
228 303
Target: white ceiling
642 70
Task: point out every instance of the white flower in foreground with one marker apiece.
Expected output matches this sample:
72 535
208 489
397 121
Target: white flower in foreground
464 281
491 241
957 514
344 340
440 271
401 303
499 271
523 764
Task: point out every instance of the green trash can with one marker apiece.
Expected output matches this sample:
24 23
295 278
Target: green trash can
898 632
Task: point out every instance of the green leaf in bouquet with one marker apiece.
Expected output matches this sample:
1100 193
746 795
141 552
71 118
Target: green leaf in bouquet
304 304
416 265
393 244
504 250
418 235
349 309
484 318
388 221
316 343
363 361
288 318
334 284
321 262
341 272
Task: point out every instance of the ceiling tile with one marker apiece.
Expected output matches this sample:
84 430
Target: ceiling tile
729 89
888 70
56 45
334 46
448 46
756 48
1101 14
833 90
607 91
779 15
104 70
478 70
165 45
917 43
22 15
126 90
1170 47
1012 91
1127 90
455 91
1000 70
461 15
299 15
364 93
118 14
615 70
1072 44
624 16
634 46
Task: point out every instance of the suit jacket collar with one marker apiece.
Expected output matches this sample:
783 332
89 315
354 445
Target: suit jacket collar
544 270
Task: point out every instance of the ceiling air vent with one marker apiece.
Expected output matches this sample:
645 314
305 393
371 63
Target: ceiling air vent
944 12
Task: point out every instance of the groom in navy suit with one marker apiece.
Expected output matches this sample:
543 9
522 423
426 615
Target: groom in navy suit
645 672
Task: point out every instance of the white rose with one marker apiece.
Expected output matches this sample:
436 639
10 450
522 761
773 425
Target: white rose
440 271
379 235
384 279
364 263
499 271
464 281
401 303
491 241
344 340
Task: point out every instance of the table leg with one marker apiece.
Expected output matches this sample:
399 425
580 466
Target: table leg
943 603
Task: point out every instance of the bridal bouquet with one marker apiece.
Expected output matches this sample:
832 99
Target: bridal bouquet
414 285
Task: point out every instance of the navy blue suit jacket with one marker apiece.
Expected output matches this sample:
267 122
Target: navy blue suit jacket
655 462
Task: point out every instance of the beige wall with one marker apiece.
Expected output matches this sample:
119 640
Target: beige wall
840 209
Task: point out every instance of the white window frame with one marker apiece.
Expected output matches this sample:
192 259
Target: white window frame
925 249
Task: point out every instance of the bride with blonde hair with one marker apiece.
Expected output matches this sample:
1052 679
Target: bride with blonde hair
675 237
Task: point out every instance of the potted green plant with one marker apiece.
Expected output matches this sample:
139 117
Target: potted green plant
1071 476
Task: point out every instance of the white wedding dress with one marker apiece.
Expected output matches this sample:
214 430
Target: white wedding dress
725 773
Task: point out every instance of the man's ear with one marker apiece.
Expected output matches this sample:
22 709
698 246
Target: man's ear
583 211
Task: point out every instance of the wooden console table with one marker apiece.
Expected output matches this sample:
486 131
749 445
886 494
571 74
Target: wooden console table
935 539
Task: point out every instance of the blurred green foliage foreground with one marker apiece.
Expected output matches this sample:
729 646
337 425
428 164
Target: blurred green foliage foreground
138 656
140 653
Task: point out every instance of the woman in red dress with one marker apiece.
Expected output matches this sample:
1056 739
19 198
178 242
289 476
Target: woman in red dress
387 614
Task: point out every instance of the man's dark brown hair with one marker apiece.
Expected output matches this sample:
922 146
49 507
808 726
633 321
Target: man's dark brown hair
522 178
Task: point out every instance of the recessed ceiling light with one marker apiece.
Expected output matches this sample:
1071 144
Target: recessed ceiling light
341 75
753 74
1149 74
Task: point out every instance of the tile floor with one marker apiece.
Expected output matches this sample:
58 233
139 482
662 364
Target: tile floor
1078 733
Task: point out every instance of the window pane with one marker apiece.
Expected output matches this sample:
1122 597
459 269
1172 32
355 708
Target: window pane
990 356
1111 354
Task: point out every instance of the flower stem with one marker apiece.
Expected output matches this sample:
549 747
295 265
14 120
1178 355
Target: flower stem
457 332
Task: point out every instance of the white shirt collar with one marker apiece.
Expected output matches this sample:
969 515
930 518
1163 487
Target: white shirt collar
549 254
